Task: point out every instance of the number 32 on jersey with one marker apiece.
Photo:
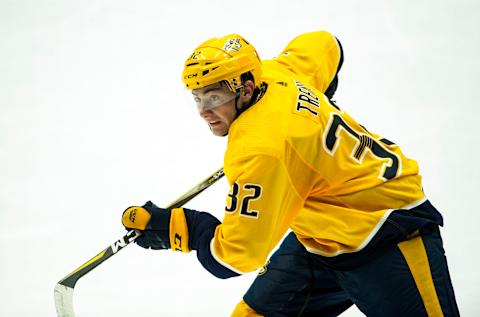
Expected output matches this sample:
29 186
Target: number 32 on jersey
241 196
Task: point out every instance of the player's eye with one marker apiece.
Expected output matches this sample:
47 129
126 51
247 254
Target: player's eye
214 98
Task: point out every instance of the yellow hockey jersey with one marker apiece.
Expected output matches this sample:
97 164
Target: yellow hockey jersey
296 161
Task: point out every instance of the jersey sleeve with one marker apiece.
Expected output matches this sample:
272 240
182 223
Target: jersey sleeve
259 209
314 58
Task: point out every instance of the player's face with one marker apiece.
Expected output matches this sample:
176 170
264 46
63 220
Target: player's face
216 105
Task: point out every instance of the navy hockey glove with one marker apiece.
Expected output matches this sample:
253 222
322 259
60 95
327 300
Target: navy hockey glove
152 221
179 229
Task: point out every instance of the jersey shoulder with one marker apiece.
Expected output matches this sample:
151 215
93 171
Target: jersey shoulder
314 58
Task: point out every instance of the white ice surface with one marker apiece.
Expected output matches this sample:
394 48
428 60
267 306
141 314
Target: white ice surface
93 118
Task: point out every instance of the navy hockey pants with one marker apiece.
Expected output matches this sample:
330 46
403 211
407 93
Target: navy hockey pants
407 279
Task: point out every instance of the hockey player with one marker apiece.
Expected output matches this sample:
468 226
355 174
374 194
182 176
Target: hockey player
362 230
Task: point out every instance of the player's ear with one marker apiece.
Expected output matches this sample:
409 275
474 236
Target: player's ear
248 88
246 94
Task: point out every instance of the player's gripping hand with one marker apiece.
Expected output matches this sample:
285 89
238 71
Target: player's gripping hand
161 228
152 221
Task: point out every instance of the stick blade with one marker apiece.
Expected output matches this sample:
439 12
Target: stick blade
64 301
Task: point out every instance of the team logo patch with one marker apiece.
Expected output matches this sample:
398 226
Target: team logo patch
133 215
232 45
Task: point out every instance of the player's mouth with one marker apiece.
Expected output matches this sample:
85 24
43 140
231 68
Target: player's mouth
213 123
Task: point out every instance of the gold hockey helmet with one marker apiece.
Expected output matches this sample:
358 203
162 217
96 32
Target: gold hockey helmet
221 59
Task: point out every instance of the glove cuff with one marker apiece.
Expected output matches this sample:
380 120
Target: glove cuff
178 233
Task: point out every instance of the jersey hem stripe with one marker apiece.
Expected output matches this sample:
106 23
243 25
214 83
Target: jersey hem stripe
372 233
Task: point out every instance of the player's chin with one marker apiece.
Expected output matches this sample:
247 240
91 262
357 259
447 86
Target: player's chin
219 129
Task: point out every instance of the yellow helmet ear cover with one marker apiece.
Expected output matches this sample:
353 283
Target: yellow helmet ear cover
221 59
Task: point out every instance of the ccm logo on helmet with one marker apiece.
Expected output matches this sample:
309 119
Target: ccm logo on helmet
190 76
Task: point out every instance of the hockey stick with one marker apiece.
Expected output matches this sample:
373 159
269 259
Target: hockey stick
64 288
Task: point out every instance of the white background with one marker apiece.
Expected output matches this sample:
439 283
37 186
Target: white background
94 118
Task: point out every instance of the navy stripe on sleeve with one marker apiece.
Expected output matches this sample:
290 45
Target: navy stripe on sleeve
201 227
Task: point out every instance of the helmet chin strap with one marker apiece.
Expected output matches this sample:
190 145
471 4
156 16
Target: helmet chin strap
256 96
237 109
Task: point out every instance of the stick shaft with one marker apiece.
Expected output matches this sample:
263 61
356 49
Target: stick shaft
73 277
64 288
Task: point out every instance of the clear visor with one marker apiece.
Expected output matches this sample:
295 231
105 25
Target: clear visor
212 99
